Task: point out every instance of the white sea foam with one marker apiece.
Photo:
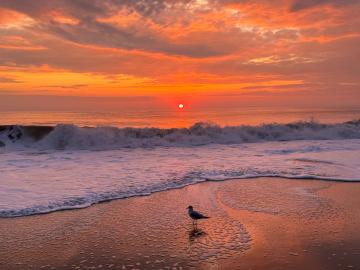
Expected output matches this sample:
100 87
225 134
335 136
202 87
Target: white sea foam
106 138
36 177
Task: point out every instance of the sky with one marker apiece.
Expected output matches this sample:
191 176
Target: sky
162 52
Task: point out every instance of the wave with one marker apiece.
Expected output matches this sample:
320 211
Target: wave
72 137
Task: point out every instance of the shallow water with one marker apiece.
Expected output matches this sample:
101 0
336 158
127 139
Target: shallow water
39 181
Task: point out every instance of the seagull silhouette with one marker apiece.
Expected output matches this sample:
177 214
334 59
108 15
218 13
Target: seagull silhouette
195 216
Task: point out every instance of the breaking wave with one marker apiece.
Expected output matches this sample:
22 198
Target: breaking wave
73 137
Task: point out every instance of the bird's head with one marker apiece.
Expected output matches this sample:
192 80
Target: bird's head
190 207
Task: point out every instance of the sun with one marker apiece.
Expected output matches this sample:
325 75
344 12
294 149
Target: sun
181 106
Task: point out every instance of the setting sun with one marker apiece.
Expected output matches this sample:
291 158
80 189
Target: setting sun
181 106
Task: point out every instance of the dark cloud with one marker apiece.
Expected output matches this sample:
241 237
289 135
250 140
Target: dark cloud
91 31
9 80
72 86
85 8
298 5
295 5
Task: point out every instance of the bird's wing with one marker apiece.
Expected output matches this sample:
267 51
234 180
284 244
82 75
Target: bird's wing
196 215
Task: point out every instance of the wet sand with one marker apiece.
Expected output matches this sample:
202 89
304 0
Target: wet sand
265 223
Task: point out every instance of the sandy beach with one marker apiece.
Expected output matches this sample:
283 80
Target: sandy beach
265 223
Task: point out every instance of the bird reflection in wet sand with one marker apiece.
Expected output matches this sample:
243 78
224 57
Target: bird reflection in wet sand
195 216
195 234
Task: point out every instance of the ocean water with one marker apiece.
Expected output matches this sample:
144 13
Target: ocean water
69 166
179 118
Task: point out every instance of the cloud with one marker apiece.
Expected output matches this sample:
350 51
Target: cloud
91 30
8 80
71 86
94 8
298 5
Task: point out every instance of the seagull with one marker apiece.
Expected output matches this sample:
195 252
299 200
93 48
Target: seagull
195 216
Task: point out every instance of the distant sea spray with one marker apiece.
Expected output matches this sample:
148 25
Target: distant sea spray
62 137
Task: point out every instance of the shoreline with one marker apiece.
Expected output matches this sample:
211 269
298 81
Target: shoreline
263 223
305 178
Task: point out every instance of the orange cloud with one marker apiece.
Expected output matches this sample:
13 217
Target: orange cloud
12 19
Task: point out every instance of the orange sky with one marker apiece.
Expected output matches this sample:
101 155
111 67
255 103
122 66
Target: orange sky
281 52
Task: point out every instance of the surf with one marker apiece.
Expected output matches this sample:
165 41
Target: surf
64 136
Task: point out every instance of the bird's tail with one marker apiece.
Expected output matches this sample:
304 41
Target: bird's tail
205 217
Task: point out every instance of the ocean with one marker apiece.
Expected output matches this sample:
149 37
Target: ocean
52 161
